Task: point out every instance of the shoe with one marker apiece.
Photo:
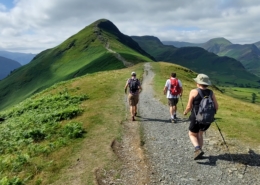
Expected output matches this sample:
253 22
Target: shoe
175 117
198 154
133 118
174 120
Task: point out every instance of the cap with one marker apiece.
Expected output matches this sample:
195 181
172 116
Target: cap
133 74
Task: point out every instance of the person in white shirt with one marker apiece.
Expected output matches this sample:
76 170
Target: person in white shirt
173 90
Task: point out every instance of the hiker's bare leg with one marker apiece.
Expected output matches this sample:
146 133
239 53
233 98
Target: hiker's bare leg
200 138
132 110
194 138
172 110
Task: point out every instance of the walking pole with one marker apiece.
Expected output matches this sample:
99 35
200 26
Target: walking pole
224 141
182 104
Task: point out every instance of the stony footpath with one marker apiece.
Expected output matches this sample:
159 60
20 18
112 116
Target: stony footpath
170 152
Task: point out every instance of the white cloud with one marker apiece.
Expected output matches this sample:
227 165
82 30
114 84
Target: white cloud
35 25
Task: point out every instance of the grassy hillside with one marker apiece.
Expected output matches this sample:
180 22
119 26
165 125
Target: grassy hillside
47 133
98 47
223 70
248 55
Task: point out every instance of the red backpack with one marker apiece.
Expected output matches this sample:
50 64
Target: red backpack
175 87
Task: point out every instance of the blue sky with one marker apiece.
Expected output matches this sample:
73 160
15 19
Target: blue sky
7 3
31 26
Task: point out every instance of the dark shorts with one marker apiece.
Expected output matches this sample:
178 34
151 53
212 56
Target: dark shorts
196 127
133 99
172 101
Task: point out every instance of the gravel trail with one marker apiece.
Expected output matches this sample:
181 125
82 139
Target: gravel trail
170 152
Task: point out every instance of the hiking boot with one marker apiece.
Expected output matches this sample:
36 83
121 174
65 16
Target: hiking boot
198 154
175 117
133 118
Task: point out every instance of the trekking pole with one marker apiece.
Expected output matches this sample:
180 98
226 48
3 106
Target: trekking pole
125 106
224 141
182 104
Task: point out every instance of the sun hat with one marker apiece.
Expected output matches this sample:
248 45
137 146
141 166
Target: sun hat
133 74
202 79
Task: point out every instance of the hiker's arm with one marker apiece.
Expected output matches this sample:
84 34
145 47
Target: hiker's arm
126 85
140 88
215 102
165 89
189 104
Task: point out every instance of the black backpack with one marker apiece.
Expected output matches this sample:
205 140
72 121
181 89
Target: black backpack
207 109
133 85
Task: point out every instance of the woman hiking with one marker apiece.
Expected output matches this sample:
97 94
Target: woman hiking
196 130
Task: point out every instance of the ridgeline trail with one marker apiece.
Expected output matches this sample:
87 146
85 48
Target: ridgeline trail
168 151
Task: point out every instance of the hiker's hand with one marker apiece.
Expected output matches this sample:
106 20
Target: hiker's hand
185 113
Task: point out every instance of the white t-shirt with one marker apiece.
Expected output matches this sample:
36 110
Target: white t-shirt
168 85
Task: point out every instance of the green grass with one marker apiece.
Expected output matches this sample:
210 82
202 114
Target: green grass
32 130
237 118
80 117
244 94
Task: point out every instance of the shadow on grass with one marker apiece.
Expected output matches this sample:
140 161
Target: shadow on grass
251 159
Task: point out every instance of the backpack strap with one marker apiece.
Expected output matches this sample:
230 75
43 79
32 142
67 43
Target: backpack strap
201 94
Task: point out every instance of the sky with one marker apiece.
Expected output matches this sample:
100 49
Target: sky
31 26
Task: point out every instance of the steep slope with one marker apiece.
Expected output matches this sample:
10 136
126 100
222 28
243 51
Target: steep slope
7 66
223 70
98 47
22 58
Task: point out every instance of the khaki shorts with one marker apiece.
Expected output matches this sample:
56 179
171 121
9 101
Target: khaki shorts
133 99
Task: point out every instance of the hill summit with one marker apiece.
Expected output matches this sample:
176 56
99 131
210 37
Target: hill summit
98 47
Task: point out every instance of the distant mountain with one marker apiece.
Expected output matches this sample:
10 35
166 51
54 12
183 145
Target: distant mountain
223 70
98 47
247 54
7 66
216 45
179 44
22 58
257 44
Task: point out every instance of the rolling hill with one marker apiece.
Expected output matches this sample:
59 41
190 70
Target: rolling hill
223 70
7 66
247 54
98 47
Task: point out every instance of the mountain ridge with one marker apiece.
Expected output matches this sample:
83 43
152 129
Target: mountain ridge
223 70
82 53
247 54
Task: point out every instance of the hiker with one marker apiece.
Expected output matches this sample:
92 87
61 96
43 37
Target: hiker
134 89
196 129
173 88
